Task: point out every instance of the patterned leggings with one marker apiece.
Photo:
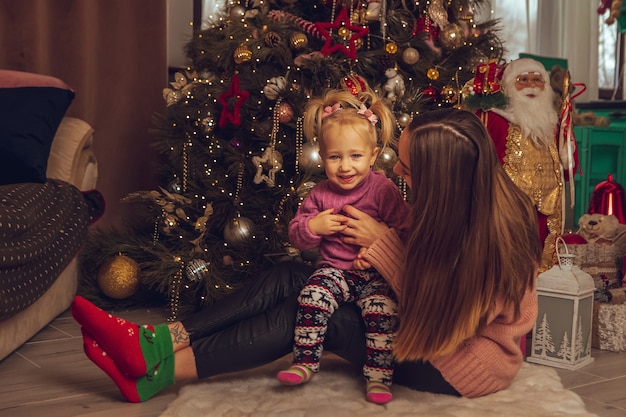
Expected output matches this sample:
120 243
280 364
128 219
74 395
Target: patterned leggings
325 290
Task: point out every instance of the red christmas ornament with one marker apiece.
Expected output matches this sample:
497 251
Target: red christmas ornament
354 84
608 198
431 92
424 25
241 96
285 112
487 78
342 20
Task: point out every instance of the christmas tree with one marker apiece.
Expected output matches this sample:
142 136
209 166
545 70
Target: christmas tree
235 164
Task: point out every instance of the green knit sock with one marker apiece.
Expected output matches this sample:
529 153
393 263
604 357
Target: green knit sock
133 389
136 349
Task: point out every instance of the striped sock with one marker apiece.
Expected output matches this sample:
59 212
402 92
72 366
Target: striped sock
295 375
378 393
135 390
135 349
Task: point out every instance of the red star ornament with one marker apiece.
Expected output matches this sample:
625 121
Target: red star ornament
241 96
342 19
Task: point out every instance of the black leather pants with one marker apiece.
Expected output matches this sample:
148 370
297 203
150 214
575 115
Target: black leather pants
255 326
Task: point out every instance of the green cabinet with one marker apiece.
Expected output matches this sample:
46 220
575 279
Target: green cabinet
601 152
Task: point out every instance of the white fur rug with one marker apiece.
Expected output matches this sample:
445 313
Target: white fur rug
338 391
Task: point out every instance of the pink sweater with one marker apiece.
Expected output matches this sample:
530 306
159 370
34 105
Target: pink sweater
377 196
485 363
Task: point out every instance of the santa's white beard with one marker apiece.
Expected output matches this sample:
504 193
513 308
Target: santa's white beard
535 115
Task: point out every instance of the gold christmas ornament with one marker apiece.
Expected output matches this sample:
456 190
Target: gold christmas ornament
299 41
410 56
242 54
358 16
438 13
449 94
391 48
432 74
119 277
452 36
344 32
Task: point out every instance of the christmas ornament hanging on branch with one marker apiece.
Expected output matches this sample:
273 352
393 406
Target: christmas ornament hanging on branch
259 67
239 231
348 32
239 97
119 277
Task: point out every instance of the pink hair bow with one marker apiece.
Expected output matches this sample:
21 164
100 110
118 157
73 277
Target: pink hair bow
368 113
328 110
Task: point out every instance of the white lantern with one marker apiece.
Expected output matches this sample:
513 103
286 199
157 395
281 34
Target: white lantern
562 333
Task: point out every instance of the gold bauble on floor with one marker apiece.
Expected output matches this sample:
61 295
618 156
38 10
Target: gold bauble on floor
118 277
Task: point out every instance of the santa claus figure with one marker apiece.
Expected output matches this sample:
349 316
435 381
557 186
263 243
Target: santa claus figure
525 135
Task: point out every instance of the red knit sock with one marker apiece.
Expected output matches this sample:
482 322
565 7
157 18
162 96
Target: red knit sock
135 349
133 389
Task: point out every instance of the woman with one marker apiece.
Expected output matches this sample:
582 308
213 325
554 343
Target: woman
464 279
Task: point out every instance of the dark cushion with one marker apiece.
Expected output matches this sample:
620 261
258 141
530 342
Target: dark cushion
42 227
31 109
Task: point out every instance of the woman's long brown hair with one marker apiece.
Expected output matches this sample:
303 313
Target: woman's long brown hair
474 236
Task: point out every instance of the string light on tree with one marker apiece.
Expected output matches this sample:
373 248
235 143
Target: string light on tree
235 115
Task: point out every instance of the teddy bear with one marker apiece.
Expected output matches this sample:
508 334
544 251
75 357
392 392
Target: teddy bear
600 228
395 84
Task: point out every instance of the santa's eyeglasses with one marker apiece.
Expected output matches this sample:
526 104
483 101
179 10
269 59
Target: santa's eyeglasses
528 78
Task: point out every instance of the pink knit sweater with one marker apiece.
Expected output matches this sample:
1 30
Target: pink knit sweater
376 196
485 363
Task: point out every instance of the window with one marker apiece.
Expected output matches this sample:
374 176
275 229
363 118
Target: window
611 60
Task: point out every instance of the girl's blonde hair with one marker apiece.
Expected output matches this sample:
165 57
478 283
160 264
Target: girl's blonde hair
316 122
473 238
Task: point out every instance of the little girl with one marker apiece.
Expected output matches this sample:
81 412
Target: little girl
346 127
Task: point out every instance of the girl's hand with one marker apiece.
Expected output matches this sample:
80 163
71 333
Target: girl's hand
360 228
360 262
326 223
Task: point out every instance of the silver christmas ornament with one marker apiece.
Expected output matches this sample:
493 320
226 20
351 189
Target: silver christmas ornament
237 12
310 159
387 158
404 119
197 269
305 189
238 231
410 56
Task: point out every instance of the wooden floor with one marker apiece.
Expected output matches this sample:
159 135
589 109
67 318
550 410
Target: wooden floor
50 376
